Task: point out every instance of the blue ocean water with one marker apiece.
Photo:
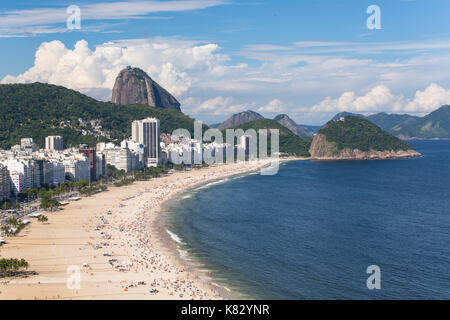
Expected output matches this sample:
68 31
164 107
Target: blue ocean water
311 231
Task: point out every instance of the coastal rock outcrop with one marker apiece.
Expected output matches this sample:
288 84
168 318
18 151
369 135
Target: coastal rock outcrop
134 86
321 149
354 138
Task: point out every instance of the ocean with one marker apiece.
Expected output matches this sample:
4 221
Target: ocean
312 230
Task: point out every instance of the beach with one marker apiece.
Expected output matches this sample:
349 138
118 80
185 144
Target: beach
112 245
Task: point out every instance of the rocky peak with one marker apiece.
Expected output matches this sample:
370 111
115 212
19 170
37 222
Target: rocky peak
290 124
134 86
240 118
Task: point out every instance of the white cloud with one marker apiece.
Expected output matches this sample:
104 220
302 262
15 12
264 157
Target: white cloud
380 98
274 106
215 106
212 85
431 98
175 64
38 20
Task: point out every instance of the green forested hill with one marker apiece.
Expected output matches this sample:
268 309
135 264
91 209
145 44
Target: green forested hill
358 133
434 125
290 143
36 110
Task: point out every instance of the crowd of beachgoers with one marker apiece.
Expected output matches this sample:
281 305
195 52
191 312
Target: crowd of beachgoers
118 242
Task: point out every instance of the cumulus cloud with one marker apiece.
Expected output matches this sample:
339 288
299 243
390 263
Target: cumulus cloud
212 85
175 64
274 106
380 98
215 106
431 98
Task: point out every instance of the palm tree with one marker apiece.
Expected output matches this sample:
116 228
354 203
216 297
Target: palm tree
12 265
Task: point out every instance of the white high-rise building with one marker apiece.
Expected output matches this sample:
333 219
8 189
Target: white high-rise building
146 132
121 158
78 168
59 173
54 143
21 174
28 144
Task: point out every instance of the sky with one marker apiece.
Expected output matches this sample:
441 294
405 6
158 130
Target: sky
309 59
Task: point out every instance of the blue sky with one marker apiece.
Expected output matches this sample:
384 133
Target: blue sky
309 59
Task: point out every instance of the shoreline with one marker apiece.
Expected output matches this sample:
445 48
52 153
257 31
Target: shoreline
133 234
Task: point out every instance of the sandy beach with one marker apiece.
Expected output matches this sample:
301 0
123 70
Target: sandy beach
111 246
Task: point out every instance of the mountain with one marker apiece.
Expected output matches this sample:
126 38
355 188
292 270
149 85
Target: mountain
346 114
310 130
134 86
290 143
356 138
383 120
215 125
388 121
37 110
287 122
240 118
432 126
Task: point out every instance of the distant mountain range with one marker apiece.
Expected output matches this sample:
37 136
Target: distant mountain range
435 125
385 121
290 143
304 131
432 126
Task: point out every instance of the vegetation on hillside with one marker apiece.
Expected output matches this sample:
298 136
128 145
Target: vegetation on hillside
290 143
358 133
37 110
434 125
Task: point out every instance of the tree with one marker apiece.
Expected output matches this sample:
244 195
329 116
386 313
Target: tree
49 203
42 219
13 222
11 266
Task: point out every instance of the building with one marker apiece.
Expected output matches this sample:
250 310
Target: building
54 143
103 145
137 149
38 173
21 174
121 158
59 173
28 144
77 168
146 132
91 154
4 183
101 166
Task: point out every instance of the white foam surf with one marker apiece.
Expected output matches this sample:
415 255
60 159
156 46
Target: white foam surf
174 237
